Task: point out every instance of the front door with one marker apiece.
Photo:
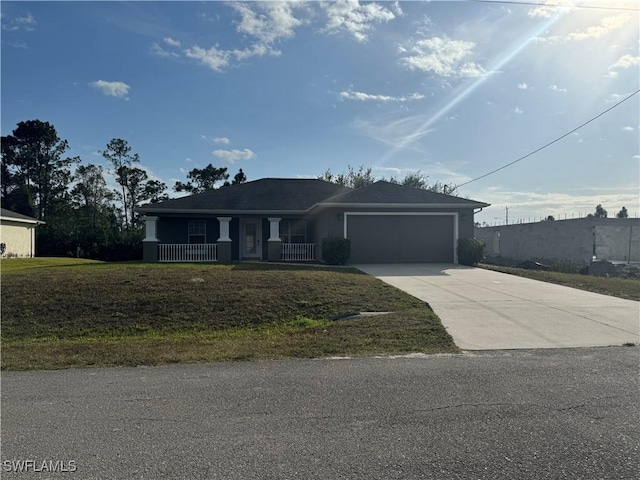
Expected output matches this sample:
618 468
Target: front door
250 236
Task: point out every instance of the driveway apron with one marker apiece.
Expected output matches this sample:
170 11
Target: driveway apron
486 310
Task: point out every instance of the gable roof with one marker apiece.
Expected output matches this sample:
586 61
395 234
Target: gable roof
17 217
269 195
388 193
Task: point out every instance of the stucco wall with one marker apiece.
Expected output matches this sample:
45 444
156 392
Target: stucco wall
18 238
615 240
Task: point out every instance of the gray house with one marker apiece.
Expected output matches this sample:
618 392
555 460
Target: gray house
280 219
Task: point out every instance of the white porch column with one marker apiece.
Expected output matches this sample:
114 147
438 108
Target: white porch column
150 229
224 229
274 229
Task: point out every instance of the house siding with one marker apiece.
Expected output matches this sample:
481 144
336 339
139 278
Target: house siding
18 238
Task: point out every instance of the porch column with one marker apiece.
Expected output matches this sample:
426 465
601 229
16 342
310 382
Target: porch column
275 242
224 242
150 242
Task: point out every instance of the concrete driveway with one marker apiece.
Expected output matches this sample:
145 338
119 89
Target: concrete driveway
485 310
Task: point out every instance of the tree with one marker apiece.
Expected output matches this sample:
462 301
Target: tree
623 213
118 154
353 179
600 212
419 180
37 174
154 191
96 220
550 218
239 178
202 179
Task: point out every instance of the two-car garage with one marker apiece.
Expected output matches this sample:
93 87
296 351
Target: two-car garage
399 237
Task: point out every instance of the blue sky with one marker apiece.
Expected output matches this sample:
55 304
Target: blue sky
452 89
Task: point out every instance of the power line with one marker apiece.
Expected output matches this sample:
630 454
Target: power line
534 4
552 142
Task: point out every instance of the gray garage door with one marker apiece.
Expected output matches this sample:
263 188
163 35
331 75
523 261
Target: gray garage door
400 238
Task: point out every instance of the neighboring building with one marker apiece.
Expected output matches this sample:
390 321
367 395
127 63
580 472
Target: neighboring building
577 240
279 219
17 234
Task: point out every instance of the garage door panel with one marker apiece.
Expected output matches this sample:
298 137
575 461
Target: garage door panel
400 238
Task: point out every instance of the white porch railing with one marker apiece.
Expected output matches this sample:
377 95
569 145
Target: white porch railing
179 252
302 252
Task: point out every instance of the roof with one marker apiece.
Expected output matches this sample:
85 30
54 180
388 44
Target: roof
388 193
17 217
265 195
299 195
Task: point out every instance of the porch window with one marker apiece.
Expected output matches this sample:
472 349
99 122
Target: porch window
197 232
293 231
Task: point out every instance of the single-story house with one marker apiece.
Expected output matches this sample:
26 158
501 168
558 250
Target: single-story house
283 219
17 234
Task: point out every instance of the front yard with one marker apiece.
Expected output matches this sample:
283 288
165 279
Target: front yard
64 313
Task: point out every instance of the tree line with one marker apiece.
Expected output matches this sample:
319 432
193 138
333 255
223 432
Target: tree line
80 211
364 176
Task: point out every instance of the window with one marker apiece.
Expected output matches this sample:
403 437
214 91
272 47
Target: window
293 231
197 231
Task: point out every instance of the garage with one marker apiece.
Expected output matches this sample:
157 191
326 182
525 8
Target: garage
401 237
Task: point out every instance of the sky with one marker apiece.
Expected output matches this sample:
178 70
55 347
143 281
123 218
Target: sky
451 89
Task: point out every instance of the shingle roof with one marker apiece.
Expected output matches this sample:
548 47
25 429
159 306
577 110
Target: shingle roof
392 193
267 194
300 195
17 216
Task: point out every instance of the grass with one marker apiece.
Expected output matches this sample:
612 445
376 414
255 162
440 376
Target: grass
60 314
626 288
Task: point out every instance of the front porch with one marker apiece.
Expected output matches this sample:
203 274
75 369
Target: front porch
237 239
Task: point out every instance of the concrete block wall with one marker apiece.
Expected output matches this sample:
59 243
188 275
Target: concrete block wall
615 240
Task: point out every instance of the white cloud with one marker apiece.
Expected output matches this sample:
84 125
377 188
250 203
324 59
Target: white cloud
556 88
161 52
171 42
544 11
233 155
443 57
213 58
355 19
636 157
363 97
525 204
518 110
628 129
268 21
523 86
626 61
257 50
26 22
223 140
606 25
112 89
405 132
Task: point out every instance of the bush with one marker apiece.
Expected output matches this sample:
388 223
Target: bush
336 250
471 251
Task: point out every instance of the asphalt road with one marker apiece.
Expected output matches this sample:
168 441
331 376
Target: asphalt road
525 414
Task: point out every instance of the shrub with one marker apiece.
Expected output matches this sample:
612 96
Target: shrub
471 251
336 250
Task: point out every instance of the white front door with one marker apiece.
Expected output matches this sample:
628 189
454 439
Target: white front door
250 238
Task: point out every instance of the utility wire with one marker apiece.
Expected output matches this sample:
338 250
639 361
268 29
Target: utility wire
534 4
552 142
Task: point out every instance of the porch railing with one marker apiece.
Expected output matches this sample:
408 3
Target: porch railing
301 252
179 252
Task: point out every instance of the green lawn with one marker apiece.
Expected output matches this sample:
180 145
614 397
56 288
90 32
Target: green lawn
627 288
59 313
